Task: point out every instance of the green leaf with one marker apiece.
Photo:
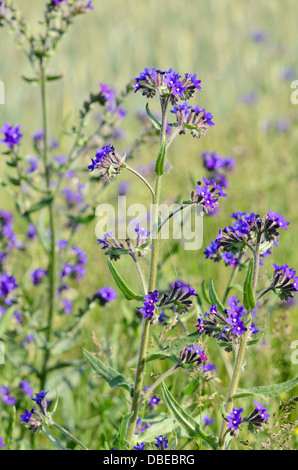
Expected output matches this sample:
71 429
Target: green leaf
248 296
191 427
53 439
152 118
160 162
175 348
204 293
265 247
51 78
82 219
120 440
4 319
268 391
39 205
214 298
32 81
126 291
114 378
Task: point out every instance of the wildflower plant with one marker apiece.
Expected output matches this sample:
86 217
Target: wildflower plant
51 305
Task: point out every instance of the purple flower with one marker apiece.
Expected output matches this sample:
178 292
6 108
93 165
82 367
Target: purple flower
26 417
154 401
33 162
161 443
149 304
258 36
262 410
107 92
106 294
208 367
7 284
287 74
209 194
207 420
253 329
67 306
12 135
1 440
140 447
7 398
40 400
234 418
31 232
26 388
249 98
123 188
38 275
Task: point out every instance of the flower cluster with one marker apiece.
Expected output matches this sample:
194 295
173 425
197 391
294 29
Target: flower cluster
167 83
194 118
105 294
8 238
257 418
234 239
76 269
192 355
107 161
178 298
111 101
12 135
7 285
286 281
223 327
149 305
234 419
161 443
7 398
218 167
38 275
207 196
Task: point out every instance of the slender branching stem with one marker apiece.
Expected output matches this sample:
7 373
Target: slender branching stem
158 382
242 347
68 434
141 178
152 281
52 251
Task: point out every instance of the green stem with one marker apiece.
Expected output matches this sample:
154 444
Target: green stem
152 281
52 252
141 178
68 434
242 347
158 381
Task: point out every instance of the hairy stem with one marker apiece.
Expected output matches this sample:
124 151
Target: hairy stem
52 252
68 434
141 178
241 350
152 281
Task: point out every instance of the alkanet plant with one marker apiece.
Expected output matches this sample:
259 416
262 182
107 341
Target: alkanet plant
51 309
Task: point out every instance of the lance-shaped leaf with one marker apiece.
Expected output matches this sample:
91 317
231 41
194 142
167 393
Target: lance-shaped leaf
160 162
39 205
111 376
53 439
120 440
248 296
175 348
152 118
191 427
214 298
126 291
268 391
